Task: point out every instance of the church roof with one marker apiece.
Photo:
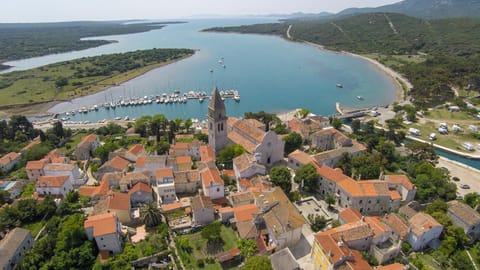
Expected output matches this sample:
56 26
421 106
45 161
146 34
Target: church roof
216 102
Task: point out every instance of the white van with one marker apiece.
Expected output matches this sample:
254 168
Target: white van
414 131
468 146
432 136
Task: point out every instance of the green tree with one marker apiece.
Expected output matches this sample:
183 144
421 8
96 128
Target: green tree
292 141
471 199
248 247
345 163
4 197
104 150
336 123
211 233
356 126
308 174
61 81
261 262
226 155
280 176
317 222
422 151
265 118
150 215
188 124
368 165
330 200
302 113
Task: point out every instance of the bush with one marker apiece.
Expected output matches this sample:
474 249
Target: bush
200 263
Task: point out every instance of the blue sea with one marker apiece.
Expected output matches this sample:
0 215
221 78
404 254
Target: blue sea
270 73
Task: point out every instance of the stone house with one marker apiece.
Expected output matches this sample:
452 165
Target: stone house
187 182
465 217
212 183
424 230
246 166
140 193
8 161
117 164
13 246
106 230
55 185
34 169
84 149
71 170
202 210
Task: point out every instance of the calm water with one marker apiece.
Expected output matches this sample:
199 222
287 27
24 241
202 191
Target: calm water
270 73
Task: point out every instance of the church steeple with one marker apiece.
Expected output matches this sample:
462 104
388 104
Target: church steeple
217 121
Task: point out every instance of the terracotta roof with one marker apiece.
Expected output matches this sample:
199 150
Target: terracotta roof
463 212
330 247
140 186
163 173
238 138
200 202
358 262
300 156
135 177
336 153
245 212
36 164
407 210
231 120
58 167
373 188
397 223
183 159
394 195
229 173
112 177
93 191
400 180
282 216
171 206
184 177
210 176
58 159
245 161
206 153
245 183
422 223
6 159
351 231
130 131
376 225
239 197
118 200
141 161
102 224
350 215
117 163
53 181
136 150
245 128
246 230
331 174
90 138
393 266
255 123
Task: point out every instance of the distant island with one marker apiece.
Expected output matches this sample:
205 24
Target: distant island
25 40
35 90
436 56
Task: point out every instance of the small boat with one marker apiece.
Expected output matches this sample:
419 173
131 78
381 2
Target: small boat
126 118
339 85
201 99
211 70
236 98
224 66
118 118
359 97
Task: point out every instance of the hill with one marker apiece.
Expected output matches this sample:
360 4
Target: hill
433 54
426 8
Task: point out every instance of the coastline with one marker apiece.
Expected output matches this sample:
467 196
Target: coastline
44 109
396 77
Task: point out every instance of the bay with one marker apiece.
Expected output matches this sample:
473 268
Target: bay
271 74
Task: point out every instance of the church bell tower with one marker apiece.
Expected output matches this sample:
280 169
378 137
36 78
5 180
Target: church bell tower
217 122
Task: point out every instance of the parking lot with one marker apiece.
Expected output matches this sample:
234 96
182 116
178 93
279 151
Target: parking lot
466 175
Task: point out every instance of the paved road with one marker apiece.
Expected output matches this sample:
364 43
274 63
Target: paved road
467 175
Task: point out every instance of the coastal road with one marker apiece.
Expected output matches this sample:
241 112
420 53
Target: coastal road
288 32
467 175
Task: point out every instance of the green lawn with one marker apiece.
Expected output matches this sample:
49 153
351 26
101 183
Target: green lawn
73 142
199 249
428 261
34 227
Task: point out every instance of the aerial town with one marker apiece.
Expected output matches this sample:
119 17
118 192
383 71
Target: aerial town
139 208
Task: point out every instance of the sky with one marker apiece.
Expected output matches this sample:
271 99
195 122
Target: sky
71 10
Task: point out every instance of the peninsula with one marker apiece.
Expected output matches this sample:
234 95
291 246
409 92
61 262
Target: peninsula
34 91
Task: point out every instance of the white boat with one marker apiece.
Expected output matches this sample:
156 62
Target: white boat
118 118
201 99
359 97
339 85
211 70
224 66
236 98
126 118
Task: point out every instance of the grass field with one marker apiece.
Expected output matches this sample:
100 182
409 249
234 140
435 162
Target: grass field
34 228
80 77
199 249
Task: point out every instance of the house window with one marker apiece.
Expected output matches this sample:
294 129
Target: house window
361 201
378 201
269 144
369 201
211 126
218 189
348 198
221 126
268 160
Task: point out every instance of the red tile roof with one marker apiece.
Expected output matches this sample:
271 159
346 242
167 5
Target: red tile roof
140 186
118 200
206 153
183 159
118 163
245 212
141 161
376 225
36 164
300 156
90 138
6 159
350 215
53 181
393 266
102 224
136 149
172 206
163 172
210 176
93 191
400 180
229 173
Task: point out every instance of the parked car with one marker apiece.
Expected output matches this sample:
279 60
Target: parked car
459 197
456 179
464 186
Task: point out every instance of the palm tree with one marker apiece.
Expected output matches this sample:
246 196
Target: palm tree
150 215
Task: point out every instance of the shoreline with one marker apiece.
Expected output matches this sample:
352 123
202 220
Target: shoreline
395 77
42 111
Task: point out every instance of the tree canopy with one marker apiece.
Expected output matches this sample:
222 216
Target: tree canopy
227 154
308 174
281 176
292 141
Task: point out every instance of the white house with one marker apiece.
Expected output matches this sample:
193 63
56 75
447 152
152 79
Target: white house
105 229
165 185
246 166
55 185
74 176
212 183
424 229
